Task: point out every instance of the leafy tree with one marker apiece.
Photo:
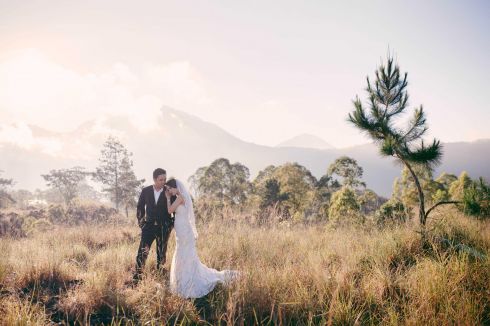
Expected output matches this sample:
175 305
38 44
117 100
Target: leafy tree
344 208
116 174
446 179
271 195
299 184
349 170
325 187
297 187
259 185
5 197
267 194
328 183
444 182
87 192
268 200
263 176
66 182
196 182
440 195
457 188
369 201
222 182
388 99
21 197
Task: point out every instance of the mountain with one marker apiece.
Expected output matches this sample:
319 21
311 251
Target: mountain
306 141
182 143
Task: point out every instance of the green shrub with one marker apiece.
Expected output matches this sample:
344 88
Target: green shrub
391 212
344 208
476 199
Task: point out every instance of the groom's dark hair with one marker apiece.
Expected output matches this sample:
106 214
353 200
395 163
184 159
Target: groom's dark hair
158 172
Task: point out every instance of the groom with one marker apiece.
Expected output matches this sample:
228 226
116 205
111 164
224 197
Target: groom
154 220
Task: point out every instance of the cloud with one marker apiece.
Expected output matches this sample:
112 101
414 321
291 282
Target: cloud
179 83
36 90
21 135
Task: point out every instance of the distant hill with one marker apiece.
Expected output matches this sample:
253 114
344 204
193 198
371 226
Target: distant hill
182 143
306 141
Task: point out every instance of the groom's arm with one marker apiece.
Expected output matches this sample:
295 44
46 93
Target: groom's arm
140 209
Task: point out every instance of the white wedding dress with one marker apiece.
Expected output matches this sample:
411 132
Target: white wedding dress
189 278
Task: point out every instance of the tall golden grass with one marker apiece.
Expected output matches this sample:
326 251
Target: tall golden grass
291 274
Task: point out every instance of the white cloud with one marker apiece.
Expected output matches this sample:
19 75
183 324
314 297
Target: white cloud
178 83
21 135
37 91
100 127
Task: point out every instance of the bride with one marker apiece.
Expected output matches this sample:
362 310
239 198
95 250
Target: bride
189 278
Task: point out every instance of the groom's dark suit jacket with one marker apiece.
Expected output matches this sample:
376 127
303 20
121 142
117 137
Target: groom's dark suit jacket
154 212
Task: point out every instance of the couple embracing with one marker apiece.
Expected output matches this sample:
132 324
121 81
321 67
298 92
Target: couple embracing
161 207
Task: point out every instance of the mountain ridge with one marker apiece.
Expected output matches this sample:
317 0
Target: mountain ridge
305 140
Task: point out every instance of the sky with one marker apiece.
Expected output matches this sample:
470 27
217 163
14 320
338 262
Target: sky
264 71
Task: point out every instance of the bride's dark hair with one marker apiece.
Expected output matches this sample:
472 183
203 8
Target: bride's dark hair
171 183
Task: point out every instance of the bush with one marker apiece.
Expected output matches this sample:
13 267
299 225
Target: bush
82 214
391 212
476 199
22 222
11 224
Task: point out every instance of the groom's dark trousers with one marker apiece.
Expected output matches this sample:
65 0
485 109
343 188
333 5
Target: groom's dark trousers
156 223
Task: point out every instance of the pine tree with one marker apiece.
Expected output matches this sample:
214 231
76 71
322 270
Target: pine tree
115 172
388 99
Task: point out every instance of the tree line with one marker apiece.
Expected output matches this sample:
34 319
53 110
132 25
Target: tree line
289 191
115 173
340 196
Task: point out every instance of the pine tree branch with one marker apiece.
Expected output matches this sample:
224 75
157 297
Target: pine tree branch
441 203
417 126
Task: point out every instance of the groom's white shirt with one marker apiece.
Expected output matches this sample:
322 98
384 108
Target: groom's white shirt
157 193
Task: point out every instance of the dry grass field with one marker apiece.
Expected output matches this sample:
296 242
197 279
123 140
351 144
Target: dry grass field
292 274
